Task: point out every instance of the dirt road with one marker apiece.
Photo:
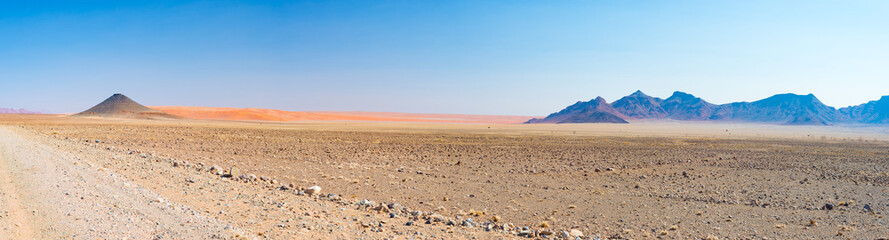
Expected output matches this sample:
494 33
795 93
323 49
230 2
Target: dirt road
48 195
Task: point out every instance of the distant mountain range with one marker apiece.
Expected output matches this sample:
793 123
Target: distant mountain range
873 112
18 111
596 110
788 108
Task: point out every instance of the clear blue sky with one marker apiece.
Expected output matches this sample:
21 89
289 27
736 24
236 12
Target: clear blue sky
477 57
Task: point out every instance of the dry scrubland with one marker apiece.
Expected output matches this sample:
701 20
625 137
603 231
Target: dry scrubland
651 180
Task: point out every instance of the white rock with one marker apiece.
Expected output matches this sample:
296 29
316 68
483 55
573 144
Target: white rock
576 233
313 190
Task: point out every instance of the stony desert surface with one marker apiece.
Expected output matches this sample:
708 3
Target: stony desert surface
83 178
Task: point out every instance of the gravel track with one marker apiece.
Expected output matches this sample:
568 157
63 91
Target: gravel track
45 194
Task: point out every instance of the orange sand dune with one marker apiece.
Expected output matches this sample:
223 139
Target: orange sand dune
279 115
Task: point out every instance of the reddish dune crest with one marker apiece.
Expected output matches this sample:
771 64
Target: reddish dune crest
258 114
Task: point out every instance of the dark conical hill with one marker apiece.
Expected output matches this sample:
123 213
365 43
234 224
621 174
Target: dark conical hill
120 106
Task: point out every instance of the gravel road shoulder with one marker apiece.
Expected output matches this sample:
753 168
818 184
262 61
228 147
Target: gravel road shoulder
48 194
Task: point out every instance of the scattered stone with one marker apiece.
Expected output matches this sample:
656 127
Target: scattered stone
576 233
526 233
313 190
409 223
365 202
395 206
867 208
609 169
216 170
827 206
546 232
467 223
234 172
381 208
437 217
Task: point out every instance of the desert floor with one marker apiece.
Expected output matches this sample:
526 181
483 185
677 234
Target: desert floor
66 177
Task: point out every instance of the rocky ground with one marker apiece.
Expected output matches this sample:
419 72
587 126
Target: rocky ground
432 182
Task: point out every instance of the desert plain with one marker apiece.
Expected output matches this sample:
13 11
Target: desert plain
65 177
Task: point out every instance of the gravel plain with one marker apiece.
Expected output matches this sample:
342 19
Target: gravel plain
473 182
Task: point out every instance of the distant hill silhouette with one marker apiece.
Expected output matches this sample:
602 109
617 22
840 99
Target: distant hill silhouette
873 112
785 108
639 105
684 106
120 106
593 111
788 108
17 111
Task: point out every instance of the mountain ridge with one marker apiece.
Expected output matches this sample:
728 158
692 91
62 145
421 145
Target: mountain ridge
684 106
641 106
594 111
17 111
873 112
784 108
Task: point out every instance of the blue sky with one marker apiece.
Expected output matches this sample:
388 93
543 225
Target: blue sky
476 57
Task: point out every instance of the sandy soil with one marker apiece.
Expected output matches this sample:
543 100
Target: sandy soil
642 180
